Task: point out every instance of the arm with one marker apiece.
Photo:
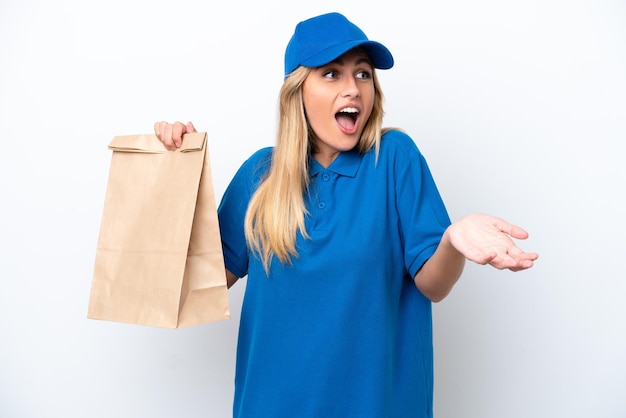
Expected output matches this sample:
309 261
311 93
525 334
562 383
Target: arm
480 238
230 278
441 271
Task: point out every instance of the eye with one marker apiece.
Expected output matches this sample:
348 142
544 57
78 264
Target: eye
364 75
330 74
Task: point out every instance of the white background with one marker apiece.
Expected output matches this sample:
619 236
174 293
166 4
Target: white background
519 107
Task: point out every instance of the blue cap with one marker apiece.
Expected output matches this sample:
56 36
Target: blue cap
321 39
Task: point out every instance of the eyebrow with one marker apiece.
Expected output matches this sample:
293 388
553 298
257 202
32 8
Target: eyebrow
362 60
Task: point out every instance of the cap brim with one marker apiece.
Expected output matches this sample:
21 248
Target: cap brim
378 53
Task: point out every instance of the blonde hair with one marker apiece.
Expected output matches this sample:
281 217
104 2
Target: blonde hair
277 210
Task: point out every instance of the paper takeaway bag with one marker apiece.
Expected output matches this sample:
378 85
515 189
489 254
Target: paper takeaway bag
159 259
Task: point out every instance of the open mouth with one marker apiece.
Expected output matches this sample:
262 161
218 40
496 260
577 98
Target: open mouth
347 117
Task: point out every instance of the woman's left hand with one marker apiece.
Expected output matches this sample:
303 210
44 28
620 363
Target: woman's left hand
486 239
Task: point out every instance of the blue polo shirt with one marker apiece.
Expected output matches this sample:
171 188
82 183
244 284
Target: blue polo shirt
342 331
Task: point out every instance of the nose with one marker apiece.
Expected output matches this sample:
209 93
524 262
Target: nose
350 87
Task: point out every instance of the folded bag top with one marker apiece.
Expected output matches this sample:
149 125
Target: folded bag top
149 143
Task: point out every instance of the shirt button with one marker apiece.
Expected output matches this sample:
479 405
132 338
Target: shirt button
325 177
321 205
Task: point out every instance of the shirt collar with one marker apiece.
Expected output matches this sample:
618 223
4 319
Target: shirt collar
346 164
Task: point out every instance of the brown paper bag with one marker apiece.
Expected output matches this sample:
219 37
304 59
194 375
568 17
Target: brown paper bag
159 259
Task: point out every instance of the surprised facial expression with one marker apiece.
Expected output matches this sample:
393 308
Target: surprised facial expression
338 100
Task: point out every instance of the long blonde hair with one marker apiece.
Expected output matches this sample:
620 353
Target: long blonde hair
277 210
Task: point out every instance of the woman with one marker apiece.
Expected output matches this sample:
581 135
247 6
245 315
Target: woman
345 241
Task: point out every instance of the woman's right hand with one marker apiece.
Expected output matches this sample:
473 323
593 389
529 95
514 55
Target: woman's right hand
171 134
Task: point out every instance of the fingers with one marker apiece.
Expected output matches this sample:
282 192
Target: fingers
171 135
158 128
514 259
512 230
518 254
517 265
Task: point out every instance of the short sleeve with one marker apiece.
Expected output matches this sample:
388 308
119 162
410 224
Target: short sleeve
232 210
422 213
